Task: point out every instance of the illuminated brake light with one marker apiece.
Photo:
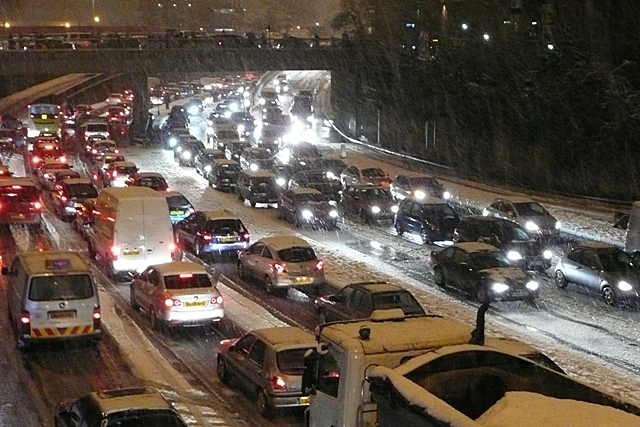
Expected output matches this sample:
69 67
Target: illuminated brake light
246 236
115 173
63 198
186 276
279 268
36 159
115 250
25 317
320 265
172 247
216 300
278 383
172 302
96 313
37 205
63 159
206 237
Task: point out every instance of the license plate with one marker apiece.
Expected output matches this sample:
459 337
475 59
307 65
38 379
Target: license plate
176 212
77 205
17 216
302 280
69 314
228 239
303 400
132 252
196 304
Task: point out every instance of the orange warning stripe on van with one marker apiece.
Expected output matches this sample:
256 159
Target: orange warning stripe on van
61 332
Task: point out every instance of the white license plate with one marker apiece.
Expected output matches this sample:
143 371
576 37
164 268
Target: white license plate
302 280
195 304
303 400
69 314
131 252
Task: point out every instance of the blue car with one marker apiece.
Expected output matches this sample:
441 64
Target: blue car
179 206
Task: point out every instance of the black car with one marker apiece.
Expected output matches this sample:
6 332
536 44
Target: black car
301 156
431 219
223 174
360 300
418 186
244 123
211 232
69 194
307 206
171 136
187 150
257 186
371 203
204 160
508 236
317 179
482 271
283 174
119 407
331 167
233 149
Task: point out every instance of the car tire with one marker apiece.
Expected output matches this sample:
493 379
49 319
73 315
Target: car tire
223 373
156 324
263 404
253 204
424 236
324 318
609 296
242 274
481 295
398 228
279 213
268 285
366 218
560 280
438 277
132 300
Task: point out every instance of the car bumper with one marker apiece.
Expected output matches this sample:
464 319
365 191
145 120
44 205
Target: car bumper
193 318
292 401
519 295
286 281
18 218
225 247
263 199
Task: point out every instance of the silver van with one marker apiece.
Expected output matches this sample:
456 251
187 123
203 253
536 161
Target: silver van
52 295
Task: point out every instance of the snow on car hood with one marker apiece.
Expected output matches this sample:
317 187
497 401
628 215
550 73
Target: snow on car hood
505 274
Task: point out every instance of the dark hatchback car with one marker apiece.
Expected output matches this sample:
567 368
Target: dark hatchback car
126 407
603 269
211 232
257 186
371 203
508 236
203 162
317 179
359 300
179 206
483 272
224 174
307 206
69 195
432 219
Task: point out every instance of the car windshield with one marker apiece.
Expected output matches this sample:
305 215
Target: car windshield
530 209
62 287
506 231
227 134
331 164
258 154
263 180
423 182
438 210
311 197
489 259
178 202
227 227
403 300
98 128
187 281
291 362
317 176
373 172
614 260
153 182
297 254
126 170
82 190
305 151
229 169
144 418
19 193
56 166
375 193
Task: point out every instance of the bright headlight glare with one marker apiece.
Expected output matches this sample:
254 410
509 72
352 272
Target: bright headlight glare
419 194
375 209
178 149
186 155
558 225
331 175
394 208
624 286
280 181
531 226
310 119
193 110
532 285
307 214
499 287
514 256
333 214
207 168
253 167
173 141
446 195
547 254
241 128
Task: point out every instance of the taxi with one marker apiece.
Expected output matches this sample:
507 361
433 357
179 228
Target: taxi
52 296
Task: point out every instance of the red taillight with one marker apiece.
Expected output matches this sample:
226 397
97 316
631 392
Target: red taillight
63 198
279 268
63 159
172 302
36 159
206 236
25 317
216 300
94 151
37 205
115 173
172 248
96 313
246 237
115 251
320 265
278 383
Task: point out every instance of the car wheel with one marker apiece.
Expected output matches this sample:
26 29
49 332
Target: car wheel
263 403
438 277
365 217
242 274
481 295
560 280
609 296
223 373
156 324
132 299
323 316
253 204
425 237
398 228
268 285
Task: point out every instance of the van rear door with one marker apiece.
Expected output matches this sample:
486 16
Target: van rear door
158 232
129 231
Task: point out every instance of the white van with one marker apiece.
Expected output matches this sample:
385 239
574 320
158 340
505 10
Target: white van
52 296
131 230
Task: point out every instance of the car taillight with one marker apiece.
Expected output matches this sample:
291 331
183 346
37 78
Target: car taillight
36 159
97 315
115 251
206 236
115 173
63 159
320 265
63 198
37 205
172 248
25 317
170 302
216 300
246 237
94 151
278 383
279 268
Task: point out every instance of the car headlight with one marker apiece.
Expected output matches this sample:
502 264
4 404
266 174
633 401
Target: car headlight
375 209
193 110
624 286
253 167
331 175
446 195
419 194
310 119
241 128
281 181
499 287
514 256
547 254
394 208
207 168
532 285
333 202
178 149
173 142
307 214
558 225
186 155
333 214
227 114
531 226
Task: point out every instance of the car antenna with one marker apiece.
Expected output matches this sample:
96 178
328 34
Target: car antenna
477 335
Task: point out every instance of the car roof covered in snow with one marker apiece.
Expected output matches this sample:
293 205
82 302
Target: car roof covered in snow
284 242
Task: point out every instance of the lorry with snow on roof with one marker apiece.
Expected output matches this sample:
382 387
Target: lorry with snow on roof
336 371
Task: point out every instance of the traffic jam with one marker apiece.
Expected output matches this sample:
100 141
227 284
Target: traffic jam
241 268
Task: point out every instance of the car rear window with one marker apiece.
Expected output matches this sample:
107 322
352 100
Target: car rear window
98 128
126 170
225 227
19 193
64 287
178 202
291 362
187 281
145 418
403 300
82 190
297 254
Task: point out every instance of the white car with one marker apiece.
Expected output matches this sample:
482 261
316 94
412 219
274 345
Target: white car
528 213
115 98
